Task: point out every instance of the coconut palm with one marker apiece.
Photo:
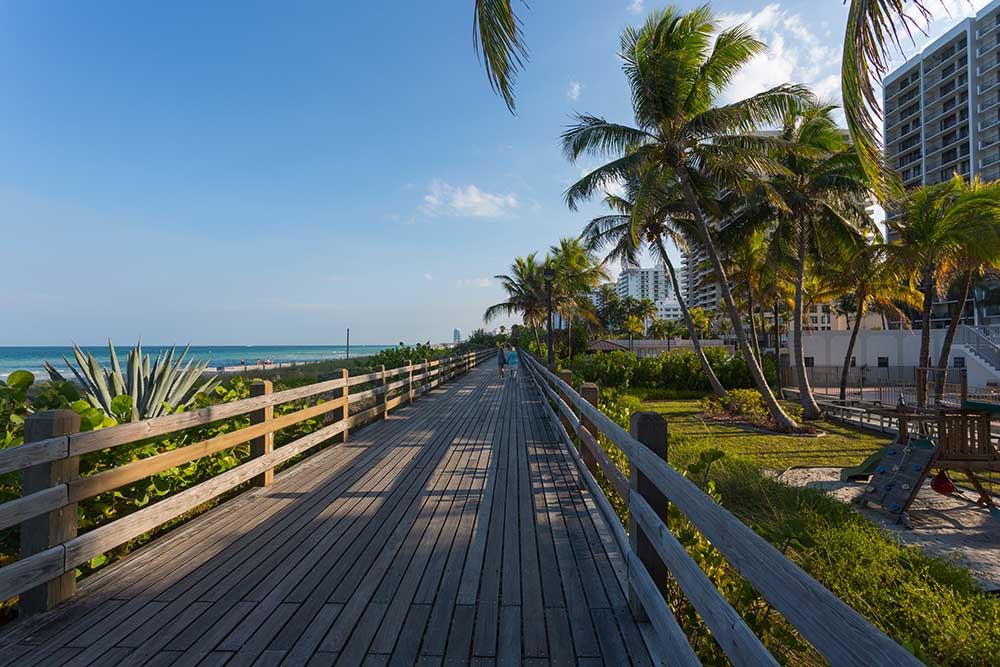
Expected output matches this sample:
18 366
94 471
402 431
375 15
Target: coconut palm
677 66
526 296
657 329
819 211
939 226
971 262
578 274
873 281
668 222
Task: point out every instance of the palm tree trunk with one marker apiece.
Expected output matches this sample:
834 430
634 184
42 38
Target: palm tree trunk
780 417
777 346
809 406
924 360
538 341
569 337
949 337
850 347
713 380
753 325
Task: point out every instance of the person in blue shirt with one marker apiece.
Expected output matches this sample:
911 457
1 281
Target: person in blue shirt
501 359
512 362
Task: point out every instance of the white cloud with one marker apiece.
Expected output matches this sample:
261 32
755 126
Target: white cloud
636 7
469 201
474 282
428 276
574 90
795 54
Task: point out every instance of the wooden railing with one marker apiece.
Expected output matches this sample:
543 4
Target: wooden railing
837 631
51 550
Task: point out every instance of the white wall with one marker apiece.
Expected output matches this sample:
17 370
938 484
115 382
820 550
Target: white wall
827 348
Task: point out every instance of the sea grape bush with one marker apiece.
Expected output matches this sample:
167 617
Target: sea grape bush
679 370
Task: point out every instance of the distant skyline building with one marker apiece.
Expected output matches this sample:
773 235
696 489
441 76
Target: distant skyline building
640 283
700 289
457 336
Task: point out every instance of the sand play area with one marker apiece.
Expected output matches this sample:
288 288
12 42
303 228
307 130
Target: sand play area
952 526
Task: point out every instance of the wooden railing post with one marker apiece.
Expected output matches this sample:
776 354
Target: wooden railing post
381 398
344 395
48 530
963 378
590 393
409 380
650 429
263 444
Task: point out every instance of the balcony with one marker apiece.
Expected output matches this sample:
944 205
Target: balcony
915 130
961 52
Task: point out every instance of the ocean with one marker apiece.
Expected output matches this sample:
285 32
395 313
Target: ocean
33 358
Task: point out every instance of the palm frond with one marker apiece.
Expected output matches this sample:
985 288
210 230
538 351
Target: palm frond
497 36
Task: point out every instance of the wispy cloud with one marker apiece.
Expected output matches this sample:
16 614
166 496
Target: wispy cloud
636 7
469 201
794 54
428 277
574 90
474 282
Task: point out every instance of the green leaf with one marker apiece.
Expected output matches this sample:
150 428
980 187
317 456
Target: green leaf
20 380
122 405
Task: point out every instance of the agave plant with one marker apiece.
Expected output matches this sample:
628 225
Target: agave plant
165 384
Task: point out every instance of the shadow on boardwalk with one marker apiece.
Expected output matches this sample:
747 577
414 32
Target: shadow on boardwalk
452 531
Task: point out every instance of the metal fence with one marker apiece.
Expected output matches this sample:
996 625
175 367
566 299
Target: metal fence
885 384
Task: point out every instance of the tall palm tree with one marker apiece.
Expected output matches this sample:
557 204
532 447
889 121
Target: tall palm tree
677 66
578 274
627 238
525 287
938 226
819 210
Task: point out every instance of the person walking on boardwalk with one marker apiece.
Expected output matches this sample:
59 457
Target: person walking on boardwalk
512 362
501 359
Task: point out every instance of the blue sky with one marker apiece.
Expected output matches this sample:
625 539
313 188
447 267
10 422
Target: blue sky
275 172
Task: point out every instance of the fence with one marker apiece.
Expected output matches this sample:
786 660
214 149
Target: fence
651 551
885 384
51 550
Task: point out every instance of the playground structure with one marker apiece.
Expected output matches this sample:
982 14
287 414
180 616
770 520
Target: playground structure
961 440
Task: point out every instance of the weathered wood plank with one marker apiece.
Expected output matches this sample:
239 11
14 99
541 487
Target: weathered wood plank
34 504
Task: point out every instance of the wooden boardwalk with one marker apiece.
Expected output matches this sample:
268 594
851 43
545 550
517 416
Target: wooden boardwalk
453 532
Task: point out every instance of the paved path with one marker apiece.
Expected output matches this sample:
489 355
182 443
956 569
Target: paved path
451 533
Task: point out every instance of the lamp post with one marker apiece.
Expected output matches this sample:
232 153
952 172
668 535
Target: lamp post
549 274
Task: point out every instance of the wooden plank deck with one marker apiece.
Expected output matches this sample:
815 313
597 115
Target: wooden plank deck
454 532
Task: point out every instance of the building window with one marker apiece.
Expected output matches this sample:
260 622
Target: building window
809 362
883 362
854 362
958 362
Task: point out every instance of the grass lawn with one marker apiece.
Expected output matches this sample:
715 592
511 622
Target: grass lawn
841 446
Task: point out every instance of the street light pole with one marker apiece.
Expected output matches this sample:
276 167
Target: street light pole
549 275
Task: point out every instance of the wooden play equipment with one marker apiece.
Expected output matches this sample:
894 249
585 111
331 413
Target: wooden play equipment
963 437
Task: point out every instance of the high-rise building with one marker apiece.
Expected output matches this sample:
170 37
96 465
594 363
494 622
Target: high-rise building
942 116
641 284
456 336
697 280
942 106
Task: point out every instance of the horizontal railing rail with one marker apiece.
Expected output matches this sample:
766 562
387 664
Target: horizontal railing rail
838 632
51 550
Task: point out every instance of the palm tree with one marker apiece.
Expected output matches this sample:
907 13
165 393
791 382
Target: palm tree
674 329
657 329
745 260
821 211
633 327
938 226
971 262
627 238
677 65
873 282
525 287
578 274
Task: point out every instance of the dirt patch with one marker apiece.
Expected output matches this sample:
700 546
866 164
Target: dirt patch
952 526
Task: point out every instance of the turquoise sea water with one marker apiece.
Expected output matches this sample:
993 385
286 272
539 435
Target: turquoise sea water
33 358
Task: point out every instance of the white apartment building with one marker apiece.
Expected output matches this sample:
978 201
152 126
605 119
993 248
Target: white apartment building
668 309
639 283
700 289
942 116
